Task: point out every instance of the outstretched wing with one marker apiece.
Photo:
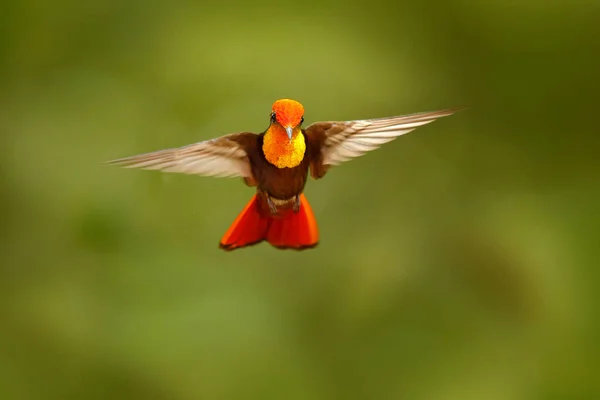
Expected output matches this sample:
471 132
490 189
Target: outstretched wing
334 142
226 156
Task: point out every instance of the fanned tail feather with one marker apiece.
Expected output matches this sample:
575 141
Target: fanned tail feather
288 230
249 228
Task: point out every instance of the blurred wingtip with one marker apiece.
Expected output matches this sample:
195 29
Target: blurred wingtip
115 162
450 111
439 113
125 162
462 107
455 109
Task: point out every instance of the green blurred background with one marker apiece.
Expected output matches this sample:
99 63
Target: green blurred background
457 262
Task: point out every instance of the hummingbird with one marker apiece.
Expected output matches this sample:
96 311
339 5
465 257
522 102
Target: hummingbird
277 162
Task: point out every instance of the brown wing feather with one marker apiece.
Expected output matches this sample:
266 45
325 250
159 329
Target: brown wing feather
226 156
334 142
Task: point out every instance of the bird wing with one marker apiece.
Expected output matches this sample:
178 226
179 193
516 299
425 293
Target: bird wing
334 142
226 156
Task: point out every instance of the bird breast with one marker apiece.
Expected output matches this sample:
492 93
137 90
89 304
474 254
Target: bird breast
280 151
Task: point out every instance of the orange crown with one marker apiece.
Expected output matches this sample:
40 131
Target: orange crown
288 112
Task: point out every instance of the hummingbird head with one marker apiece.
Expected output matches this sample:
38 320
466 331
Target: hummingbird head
289 114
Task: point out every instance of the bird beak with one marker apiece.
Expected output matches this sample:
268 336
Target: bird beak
289 131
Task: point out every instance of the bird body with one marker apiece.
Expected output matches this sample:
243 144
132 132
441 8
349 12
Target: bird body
277 162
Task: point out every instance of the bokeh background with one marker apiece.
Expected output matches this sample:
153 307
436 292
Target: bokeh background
457 262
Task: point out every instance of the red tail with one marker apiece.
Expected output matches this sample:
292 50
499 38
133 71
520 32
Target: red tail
289 230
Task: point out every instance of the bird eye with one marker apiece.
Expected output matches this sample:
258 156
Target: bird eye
273 117
302 120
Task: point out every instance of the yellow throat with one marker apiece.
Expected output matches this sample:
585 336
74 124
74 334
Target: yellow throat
280 151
